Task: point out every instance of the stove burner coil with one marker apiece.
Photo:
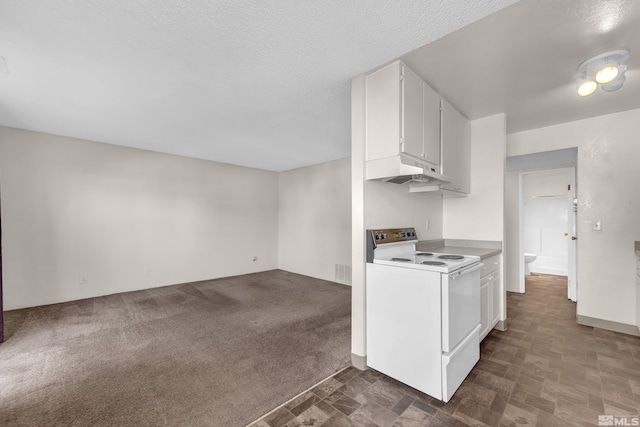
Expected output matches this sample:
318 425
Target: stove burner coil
401 259
439 263
454 257
424 254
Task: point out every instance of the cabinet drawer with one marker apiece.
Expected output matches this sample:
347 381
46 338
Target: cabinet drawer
457 364
491 265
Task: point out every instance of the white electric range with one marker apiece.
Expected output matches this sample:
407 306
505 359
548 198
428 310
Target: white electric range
423 313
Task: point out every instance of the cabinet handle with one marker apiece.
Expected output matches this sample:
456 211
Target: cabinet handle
465 271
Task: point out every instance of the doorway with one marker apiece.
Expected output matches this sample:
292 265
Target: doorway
547 218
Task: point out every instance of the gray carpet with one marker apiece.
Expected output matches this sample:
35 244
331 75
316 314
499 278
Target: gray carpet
215 353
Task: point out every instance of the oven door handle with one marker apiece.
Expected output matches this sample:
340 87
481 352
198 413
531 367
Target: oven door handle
457 274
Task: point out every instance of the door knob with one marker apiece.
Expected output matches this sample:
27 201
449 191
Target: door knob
574 238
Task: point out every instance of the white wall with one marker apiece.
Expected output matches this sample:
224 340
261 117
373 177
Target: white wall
73 207
389 205
607 184
314 231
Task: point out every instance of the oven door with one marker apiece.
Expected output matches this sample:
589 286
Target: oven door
460 305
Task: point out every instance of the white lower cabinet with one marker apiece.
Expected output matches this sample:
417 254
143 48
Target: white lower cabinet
490 295
496 293
485 306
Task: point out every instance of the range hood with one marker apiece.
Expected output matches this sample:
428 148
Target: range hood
403 169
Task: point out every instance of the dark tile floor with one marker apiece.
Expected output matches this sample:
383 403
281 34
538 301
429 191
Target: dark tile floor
544 371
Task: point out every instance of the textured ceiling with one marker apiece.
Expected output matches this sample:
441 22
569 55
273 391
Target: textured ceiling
260 84
267 84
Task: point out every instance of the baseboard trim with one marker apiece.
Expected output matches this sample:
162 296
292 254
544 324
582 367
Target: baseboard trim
359 362
608 325
501 325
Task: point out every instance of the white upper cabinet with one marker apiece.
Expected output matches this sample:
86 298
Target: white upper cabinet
431 125
455 149
412 114
384 112
403 115
409 123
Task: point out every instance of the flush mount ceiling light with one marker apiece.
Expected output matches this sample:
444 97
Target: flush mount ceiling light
606 70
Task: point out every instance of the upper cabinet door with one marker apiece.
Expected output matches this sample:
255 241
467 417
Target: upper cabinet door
383 105
455 149
396 118
431 124
412 114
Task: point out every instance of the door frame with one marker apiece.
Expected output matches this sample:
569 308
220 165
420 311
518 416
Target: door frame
1 302
572 285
